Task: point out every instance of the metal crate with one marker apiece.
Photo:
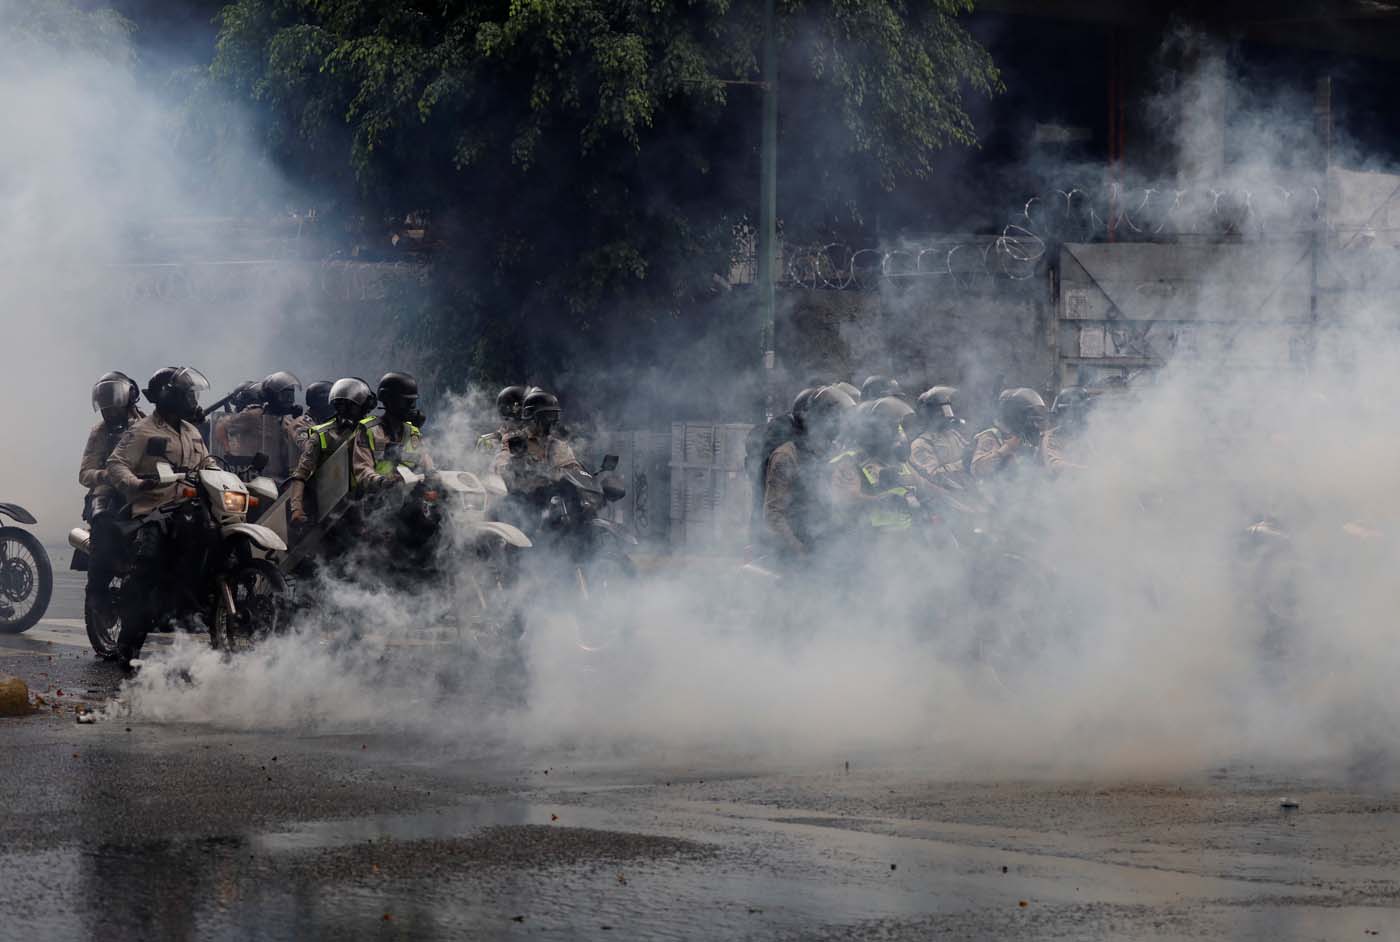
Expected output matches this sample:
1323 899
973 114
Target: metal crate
711 496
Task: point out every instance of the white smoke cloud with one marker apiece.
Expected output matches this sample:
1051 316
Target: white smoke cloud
1134 627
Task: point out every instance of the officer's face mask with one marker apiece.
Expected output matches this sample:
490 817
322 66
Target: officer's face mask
116 417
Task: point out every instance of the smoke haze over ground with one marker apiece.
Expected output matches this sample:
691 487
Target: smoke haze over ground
1141 631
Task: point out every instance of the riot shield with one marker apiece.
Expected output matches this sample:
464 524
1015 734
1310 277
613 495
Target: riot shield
327 495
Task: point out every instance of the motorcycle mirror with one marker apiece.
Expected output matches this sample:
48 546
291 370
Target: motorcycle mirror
260 461
609 463
157 447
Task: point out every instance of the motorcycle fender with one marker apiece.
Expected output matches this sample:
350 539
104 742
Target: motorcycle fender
260 535
17 512
512 535
616 529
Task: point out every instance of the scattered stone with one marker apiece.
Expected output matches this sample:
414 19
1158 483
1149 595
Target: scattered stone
14 697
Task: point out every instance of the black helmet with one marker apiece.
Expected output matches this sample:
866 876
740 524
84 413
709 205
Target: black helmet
318 400
176 392
352 399
541 409
1022 412
246 394
1071 404
279 391
801 402
157 382
880 423
849 389
398 393
936 406
114 390
823 418
878 387
509 401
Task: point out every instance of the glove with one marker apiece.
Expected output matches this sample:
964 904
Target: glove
149 485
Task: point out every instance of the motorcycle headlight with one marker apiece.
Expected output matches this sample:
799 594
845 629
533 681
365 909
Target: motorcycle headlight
235 502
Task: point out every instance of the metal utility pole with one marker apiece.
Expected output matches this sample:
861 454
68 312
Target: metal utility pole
768 201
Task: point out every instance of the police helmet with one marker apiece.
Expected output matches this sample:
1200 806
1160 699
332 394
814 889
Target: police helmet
157 382
849 389
825 413
936 405
318 400
351 399
1021 411
114 390
540 405
279 391
398 392
177 391
245 394
801 402
508 402
878 387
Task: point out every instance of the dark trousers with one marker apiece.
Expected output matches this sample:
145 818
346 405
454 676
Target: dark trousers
141 592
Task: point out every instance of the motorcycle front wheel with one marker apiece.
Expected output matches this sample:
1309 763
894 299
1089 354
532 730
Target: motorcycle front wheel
102 618
260 602
598 581
26 580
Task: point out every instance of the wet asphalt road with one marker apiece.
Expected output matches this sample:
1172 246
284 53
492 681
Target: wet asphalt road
147 831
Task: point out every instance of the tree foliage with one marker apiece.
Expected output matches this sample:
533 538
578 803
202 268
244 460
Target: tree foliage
584 163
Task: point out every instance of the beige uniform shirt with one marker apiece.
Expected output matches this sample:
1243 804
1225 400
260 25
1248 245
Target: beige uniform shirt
184 451
990 457
781 498
92 472
541 464
938 457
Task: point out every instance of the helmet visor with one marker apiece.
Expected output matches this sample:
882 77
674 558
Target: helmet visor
111 394
187 377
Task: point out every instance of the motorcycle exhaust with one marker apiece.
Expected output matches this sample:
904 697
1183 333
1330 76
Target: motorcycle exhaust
80 540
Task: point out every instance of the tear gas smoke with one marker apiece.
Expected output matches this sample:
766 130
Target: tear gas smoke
1136 627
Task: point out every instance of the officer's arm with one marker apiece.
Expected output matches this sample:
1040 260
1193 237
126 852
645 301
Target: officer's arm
778 487
305 466
122 463
845 484
362 473
987 455
1053 458
425 459
562 457
92 472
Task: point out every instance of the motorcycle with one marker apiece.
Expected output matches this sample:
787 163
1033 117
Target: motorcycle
26 576
221 567
569 527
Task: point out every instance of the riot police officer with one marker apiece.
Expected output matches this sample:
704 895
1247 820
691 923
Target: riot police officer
393 436
131 469
352 401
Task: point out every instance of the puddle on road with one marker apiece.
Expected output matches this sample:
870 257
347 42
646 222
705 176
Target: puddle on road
795 874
